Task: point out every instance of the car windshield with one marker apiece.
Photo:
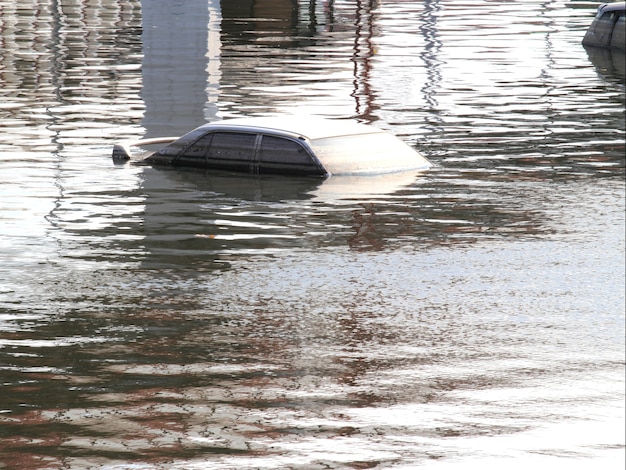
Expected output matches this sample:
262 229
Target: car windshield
365 153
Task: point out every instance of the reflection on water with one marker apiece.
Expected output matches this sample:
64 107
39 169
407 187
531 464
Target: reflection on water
610 63
180 65
468 316
430 57
70 73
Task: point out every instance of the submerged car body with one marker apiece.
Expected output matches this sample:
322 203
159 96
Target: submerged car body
608 28
284 145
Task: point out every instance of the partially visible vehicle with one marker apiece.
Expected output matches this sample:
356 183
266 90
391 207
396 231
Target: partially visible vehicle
608 28
293 145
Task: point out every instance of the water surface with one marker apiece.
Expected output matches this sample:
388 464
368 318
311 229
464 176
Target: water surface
468 316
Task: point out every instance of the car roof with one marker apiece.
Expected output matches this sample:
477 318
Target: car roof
612 6
308 127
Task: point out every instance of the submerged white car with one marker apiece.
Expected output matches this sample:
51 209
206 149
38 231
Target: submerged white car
284 145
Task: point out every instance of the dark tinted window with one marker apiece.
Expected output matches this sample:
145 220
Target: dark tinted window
604 28
279 155
232 150
608 17
276 149
195 154
618 38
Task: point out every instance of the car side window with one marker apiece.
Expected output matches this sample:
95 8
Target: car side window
280 155
232 150
196 153
607 19
279 150
604 28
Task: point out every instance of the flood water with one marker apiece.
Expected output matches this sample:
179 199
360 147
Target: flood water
467 317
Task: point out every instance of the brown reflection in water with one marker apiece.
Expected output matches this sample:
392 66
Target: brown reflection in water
272 44
24 433
266 213
268 22
444 219
275 15
160 401
364 50
366 236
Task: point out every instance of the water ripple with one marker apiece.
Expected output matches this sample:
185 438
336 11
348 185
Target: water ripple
467 316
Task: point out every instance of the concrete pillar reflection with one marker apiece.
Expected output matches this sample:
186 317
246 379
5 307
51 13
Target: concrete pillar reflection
180 64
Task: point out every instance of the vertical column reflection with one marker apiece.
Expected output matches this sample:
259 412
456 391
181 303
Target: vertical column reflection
363 51
213 69
180 64
432 47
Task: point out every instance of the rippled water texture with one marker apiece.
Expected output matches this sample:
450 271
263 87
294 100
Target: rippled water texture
468 317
